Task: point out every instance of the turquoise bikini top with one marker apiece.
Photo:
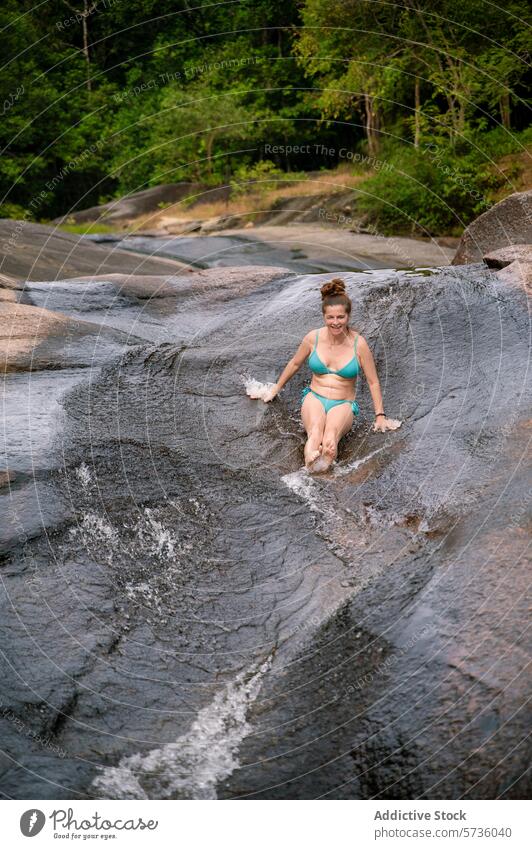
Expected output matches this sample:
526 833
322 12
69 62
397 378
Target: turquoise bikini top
350 370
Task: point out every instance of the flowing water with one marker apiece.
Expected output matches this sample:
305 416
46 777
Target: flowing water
189 614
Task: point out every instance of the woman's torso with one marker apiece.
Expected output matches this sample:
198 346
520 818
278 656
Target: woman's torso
336 358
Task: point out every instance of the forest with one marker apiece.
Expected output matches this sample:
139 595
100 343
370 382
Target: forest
427 102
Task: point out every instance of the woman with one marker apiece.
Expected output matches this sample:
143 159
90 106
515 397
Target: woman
335 353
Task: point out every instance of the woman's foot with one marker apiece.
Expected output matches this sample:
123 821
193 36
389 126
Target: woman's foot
320 464
311 456
330 449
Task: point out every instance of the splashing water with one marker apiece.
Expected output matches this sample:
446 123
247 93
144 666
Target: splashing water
83 473
157 540
192 766
149 535
94 529
255 389
302 484
142 546
350 467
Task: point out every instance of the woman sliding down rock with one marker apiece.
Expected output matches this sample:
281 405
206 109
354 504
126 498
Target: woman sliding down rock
328 404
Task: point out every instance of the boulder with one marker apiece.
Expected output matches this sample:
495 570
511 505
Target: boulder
34 338
512 264
148 201
505 256
518 273
8 295
6 477
133 205
30 251
222 222
179 226
507 223
243 628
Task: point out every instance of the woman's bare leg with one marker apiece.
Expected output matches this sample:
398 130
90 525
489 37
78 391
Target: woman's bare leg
338 422
313 416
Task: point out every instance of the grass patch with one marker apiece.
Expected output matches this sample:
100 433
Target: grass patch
86 228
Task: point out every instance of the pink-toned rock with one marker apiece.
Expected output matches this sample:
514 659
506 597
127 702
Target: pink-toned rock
24 329
139 286
517 274
6 477
8 295
7 282
505 256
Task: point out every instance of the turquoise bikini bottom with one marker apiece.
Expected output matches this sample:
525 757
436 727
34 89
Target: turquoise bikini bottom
328 403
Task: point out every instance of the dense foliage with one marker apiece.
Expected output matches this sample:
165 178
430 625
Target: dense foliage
100 98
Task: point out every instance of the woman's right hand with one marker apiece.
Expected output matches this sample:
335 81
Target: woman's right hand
271 393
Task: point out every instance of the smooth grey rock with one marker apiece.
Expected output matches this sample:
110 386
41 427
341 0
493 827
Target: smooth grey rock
38 252
507 223
201 618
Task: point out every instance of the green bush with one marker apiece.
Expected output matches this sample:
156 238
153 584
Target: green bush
433 190
259 178
14 211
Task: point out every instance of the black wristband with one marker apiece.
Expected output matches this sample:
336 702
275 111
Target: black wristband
380 414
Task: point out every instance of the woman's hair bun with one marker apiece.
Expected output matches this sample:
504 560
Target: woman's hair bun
333 288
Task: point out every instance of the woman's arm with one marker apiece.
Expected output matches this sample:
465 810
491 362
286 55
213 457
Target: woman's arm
293 365
370 372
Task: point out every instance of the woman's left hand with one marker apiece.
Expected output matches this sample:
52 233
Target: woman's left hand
381 424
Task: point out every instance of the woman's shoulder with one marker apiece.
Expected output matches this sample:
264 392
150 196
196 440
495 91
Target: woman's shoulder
361 343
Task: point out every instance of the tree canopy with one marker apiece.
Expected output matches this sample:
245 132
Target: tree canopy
102 98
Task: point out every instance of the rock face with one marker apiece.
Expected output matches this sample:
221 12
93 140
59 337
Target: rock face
36 337
305 248
187 614
36 252
33 338
507 223
145 202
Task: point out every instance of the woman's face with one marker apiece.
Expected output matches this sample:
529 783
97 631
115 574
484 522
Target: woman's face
336 319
